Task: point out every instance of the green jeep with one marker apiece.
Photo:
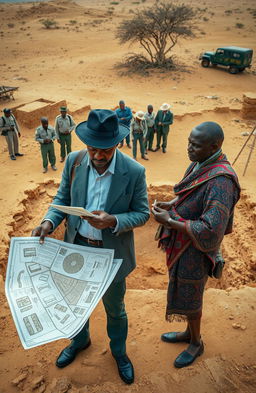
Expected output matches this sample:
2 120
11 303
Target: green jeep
237 59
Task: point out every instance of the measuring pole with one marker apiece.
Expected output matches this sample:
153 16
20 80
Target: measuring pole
245 143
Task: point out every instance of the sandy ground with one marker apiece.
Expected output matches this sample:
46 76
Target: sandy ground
75 62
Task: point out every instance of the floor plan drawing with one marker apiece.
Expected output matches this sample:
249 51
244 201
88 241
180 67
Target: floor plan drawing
53 288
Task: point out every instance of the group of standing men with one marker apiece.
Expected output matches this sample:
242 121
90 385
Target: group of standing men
45 135
143 126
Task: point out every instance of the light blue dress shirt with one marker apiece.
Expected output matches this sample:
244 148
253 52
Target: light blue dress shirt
97 193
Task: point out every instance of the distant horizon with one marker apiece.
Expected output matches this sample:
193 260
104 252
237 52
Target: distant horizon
21 1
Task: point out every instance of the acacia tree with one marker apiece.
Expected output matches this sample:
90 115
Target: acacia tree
158 28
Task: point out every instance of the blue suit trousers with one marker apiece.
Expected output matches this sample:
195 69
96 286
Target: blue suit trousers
117 322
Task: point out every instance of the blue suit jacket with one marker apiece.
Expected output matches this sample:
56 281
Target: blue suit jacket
127 200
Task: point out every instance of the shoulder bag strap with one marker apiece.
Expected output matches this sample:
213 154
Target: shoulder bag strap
77 162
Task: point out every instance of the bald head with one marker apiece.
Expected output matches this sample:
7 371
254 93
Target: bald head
205 140
211 132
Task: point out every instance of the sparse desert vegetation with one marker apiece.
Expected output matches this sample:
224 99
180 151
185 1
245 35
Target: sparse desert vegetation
49 23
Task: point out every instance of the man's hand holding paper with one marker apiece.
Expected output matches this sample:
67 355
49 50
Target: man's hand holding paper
101 220
73 210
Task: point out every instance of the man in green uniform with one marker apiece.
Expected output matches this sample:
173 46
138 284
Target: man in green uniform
45 135
64 125
150 120
163 120
10 129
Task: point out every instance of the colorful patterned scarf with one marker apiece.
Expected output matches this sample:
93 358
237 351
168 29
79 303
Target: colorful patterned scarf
175 242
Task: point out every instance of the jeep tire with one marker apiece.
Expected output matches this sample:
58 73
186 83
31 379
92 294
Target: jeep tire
233 70
205 63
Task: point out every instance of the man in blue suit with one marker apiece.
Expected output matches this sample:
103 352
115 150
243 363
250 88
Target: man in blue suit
124 115
112 186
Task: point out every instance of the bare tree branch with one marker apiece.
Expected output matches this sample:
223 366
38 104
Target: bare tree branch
158 28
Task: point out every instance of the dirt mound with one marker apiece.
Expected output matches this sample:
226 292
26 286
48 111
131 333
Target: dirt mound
48 8
249 106
238 248
224 366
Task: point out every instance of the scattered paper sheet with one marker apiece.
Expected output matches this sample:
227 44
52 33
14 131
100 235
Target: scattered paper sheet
52 288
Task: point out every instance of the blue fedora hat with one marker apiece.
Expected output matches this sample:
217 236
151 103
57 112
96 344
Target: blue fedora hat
102 129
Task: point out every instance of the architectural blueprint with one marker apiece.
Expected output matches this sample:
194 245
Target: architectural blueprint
52 288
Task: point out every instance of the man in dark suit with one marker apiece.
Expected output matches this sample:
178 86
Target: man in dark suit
163 120
112 186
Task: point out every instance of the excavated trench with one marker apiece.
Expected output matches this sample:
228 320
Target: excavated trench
151 272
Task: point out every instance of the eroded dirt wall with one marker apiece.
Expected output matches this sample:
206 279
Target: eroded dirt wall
151 272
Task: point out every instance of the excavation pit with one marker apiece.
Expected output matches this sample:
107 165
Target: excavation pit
29 114
151 269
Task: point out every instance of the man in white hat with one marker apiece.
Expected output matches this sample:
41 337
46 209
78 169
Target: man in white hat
139 130
163 120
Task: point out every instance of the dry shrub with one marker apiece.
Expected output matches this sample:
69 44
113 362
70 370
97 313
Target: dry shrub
239 25
49 23
135 63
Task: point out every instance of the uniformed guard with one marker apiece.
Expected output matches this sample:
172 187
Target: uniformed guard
64 125
150 120
45 135
10 129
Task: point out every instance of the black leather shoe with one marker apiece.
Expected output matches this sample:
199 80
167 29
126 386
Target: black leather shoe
151 150
69 354
157 148
125 369
171 337
164 150
19 154
12 157
185 358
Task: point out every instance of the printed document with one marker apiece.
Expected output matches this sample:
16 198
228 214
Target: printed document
52 288
72 210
